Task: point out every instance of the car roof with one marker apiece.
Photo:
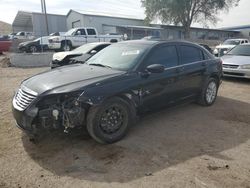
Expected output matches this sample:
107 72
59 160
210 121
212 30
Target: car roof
155 42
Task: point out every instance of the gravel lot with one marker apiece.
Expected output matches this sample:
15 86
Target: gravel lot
184 146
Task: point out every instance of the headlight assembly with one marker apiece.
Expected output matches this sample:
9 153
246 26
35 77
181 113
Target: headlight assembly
245 66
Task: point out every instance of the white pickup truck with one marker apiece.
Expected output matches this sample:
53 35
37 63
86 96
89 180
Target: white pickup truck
78 36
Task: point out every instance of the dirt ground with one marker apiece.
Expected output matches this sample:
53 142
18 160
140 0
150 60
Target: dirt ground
184 146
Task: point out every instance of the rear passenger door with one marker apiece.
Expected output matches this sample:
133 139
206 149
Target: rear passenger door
191 70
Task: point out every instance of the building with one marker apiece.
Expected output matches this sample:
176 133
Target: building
177 32
35 22
115 23
244 30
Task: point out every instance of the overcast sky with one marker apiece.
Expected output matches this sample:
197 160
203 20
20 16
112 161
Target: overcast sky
8 8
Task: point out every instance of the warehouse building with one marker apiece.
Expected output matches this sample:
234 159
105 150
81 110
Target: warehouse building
35 22
244 30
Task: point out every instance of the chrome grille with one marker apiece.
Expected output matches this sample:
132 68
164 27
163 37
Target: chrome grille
228 66
23 98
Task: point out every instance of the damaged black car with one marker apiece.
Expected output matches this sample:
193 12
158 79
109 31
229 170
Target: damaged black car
106 94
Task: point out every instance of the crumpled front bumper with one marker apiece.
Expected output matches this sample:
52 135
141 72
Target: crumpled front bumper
25 119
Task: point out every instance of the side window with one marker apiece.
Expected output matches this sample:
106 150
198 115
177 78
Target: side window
190 54
80 32
165 55
22 34
242 42
246 41
91 32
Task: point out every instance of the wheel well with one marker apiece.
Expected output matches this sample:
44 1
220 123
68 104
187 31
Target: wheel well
113 40
216 77
68 42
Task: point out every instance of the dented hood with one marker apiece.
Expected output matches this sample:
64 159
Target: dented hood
73 77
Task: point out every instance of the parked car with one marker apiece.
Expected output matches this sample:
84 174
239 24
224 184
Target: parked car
12 35
79 36
85 51
236 63
207 48
226 46
40 44
114 86
5 44
24 35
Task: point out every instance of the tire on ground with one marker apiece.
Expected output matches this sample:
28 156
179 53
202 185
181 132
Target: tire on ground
202 100
95 114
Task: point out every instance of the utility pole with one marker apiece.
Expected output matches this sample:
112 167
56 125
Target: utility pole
45 15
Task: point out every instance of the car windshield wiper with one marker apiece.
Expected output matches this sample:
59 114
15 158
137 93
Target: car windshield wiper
100 65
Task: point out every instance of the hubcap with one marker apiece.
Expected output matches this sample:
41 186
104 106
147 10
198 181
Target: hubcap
33 49
66 48
211 92
112 119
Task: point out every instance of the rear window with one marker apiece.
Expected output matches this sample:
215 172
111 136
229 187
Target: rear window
190 54
91 32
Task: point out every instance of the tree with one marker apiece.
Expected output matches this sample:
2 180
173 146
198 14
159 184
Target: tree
186 12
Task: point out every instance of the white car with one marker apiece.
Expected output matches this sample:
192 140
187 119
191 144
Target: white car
227 45
236 63
22 35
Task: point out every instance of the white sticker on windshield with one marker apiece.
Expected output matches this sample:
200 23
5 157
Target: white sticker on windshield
134 52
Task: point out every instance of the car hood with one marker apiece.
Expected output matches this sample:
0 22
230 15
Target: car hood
61 55
225 46
26 43
70 78
235 60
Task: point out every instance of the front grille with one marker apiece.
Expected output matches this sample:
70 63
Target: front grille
234 73
228 66
23 98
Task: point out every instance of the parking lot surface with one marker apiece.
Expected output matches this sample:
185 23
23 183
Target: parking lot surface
184 146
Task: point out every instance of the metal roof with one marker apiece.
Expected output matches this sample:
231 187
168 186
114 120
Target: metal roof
135 27
107 14
235 28
24 18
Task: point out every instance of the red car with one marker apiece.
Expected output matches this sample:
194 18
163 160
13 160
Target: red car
5 46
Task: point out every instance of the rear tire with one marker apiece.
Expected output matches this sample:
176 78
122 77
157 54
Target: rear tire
33 49
110 122
209 92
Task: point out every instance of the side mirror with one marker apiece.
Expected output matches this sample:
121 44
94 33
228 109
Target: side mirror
225 52
155 68
93 52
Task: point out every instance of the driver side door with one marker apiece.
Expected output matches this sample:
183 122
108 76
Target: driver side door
160 89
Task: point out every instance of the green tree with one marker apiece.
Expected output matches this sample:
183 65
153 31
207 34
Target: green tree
186 12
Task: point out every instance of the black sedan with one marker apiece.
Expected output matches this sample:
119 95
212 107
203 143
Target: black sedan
114 86
37 45
85 52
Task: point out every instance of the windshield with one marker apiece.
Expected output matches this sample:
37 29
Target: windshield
37 39
123 56
231 42
70 32
241 50
85 48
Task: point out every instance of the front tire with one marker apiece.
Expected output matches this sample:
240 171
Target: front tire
209 92
66 46
110 122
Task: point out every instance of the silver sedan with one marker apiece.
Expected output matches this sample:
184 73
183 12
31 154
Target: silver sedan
236 63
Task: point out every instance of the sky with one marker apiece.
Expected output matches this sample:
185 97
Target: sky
8 8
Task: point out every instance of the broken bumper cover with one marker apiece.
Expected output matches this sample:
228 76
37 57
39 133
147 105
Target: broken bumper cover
24 119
